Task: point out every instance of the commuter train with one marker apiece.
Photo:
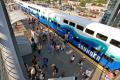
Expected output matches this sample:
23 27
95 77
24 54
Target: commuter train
98 41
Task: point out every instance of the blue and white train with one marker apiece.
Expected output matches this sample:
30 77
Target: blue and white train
98 41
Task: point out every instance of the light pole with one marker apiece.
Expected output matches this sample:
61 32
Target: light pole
48 25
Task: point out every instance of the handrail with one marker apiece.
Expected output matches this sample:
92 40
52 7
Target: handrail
3 73
6 71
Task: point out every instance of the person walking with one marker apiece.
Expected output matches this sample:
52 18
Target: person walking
42 75
54 70
57 47
65 38
34 60
33 44
72 59
62 48
62 73
87 74
45 62
29 19
80 62
53 44
33 72
39 48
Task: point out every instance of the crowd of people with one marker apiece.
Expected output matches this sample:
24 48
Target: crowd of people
36 71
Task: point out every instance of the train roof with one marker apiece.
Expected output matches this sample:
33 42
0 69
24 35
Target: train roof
105 30
77 19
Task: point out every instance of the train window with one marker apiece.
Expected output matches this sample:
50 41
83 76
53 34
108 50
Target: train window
43 17
115 43
108 58
39 10
89 31
58 25
65 21
55 23
102 37
77 39
80 27
95 50
51 21
72 24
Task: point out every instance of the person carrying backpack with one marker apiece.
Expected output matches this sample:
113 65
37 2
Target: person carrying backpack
33 72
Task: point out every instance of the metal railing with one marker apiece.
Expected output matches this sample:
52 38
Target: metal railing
3 73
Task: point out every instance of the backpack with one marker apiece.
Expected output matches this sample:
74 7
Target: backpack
33 71
56 70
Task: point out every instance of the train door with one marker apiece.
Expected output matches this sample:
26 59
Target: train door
37 16
43 20
27 10
59 30
75 41
52 24
107 62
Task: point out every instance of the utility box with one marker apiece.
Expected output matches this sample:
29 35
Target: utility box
24 45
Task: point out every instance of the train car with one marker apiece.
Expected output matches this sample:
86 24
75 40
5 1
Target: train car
98 41
39 12
110 45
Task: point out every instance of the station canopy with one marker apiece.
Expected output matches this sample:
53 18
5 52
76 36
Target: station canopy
17 15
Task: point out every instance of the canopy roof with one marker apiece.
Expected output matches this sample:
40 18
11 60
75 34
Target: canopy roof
16 16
